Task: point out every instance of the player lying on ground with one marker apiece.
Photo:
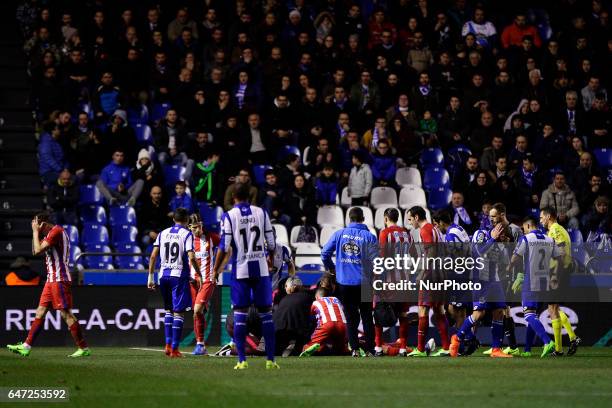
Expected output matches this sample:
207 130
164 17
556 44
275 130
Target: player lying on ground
57 292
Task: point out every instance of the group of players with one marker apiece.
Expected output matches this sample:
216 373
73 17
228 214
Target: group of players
191 260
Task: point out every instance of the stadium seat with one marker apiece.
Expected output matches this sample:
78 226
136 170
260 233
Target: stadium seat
75 259
326 232
534 212
345 199
172 174
98 261
379 217
382 197
124 234
143 134
211 216
411 196
138 115
432 157
159 111
305 160
95 214
308 253
93 234
330 215
408 175
310 267
435 177
280 231
86 107
131 261
367 215
89 194
457 156
293 238
259 173
286 150
122 215
439 198
73 234
603 157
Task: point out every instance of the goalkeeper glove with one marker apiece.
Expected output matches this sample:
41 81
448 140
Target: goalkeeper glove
518 283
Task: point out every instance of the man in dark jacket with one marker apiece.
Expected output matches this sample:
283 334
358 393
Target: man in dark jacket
529 182
153 216
292 318
63 198
383 165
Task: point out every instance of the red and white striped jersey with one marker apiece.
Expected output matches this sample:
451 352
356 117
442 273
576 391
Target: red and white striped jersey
328 310
430 234
57 255
204 247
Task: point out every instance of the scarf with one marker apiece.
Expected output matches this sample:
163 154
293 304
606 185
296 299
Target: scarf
528 177
462 216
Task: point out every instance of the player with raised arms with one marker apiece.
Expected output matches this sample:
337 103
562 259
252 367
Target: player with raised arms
247 231
57 292
174 246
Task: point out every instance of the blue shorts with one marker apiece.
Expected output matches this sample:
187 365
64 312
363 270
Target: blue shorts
489 297
251 291
528 301
176 293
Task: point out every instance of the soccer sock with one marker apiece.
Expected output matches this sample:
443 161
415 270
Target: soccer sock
168 320
497 333
556 324
537 326
529 336
403 332
77 335
34 330
267 329
177 330
509 331
465 332
422 332
567 325
199 326
442 325
240 333
378 336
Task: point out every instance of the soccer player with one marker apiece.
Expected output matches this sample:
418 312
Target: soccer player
548 219
202 280
491 295
397 240
174 246
246 229
536 250
57 292
281 255
429 236
330 333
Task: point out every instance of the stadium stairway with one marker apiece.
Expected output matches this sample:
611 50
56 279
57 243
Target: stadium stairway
20 189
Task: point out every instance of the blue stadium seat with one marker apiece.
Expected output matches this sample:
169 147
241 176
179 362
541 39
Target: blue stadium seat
455 159
259 173
89 194
534 212
94 234
439 198
211 216
98 261
75 251
312 268
122 215
286 151
128 262
139 115
94 214
159 111
432 157
435 177
73 234
86 107
604 157
124 234
172 174
143 134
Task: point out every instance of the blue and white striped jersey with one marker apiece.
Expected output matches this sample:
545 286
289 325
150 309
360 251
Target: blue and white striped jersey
537 251
174 243
456 233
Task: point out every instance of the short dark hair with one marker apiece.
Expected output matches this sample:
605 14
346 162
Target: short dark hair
180 183
269 172
417 211
43 216
499 207
550 211
530 221
242 192
392 214
442 216
181 215
356 214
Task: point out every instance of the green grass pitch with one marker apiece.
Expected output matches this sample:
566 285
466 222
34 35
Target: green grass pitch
123 377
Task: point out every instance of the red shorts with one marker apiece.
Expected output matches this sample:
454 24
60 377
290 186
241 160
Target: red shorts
330 335
203 295
57 295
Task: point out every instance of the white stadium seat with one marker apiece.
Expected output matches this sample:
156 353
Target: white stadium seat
295 231
367 215
345 199
308 253
281 234
379 217
330 215
410 196
408 175
382 197
326 233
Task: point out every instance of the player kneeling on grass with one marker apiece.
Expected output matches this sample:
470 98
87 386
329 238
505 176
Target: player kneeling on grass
55 244
330 335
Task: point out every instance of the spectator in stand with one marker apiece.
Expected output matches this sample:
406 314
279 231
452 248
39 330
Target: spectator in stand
581 175
63 198
479 190
591 91
360 180
256 139
461 216
270 198
182 20
146 171
419 57
326 186
513 35
207 180
51 155
244 177
120 136
300 202
529 182
599 121
548 147
491 154
454 125
466 175
518 153
198 148
107 99
320 156
570 120
153 216
288 171
484 31
116 183
559 196
181 199
384 165
597 220
169 140
596 187
483 135
370 138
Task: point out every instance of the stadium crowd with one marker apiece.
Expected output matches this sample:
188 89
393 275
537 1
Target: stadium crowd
123 91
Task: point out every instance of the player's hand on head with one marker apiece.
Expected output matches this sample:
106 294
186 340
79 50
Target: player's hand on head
35 226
